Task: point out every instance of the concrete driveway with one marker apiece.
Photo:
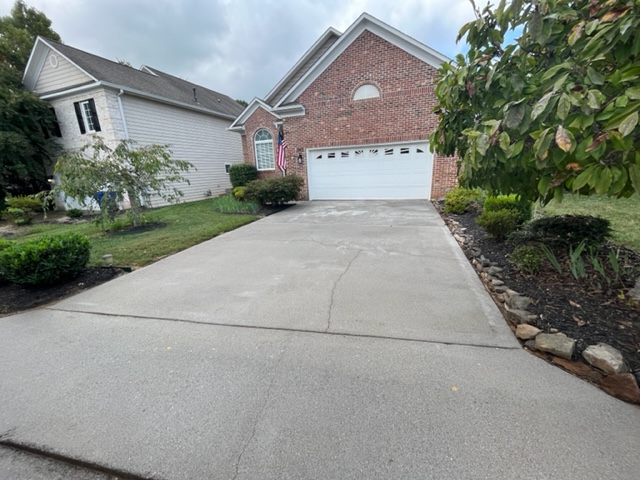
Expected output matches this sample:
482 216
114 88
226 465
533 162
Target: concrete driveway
332 340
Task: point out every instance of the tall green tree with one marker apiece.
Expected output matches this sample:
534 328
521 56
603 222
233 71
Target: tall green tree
555 111
24 118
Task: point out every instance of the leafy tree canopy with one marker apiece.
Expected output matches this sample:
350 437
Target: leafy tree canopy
24 118
555 111
127 172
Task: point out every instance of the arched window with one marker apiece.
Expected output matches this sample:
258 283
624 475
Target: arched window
263 143
366 91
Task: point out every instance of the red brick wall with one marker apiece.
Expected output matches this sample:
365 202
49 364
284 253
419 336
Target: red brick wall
402 113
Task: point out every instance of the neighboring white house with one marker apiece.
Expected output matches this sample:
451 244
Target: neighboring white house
95 96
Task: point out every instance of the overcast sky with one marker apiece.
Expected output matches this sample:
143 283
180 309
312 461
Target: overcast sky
238 47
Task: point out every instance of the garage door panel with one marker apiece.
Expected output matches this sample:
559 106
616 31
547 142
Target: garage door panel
372 172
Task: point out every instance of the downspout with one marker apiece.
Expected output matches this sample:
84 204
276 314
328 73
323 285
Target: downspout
124 122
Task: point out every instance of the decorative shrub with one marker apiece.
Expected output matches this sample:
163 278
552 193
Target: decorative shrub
45 260
239 192
499 223
19 216
26 203
4 244
275 191
571 230
527 258
461 200
240 174
74 213
510 202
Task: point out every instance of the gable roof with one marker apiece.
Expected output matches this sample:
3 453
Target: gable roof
280 101
375 26
147 81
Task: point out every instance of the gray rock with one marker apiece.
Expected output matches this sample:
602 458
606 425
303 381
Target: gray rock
494 271
530 344
634 293
459 238
554 330
521 316
501 288
519 302
475 252
526 332
485 261
496 282
606 358
557 344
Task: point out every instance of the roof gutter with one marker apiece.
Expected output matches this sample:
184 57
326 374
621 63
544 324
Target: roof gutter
137 93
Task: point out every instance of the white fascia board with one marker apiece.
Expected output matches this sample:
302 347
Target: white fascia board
248 111
375 26
71 91
148 70
308 54
296 110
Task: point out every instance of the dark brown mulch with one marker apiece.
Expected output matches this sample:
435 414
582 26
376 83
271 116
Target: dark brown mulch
563 303
14 298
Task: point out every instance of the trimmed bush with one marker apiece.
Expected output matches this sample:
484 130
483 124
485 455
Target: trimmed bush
74 213
24 202
275 191
510 202
4 244
239 192
19 216
461 200
45 260
571 230
499 223
240 174
527 258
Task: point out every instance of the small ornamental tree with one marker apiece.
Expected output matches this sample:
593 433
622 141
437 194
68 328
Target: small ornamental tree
127 171
557 110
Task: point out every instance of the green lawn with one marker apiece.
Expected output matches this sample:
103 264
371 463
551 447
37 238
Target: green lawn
624 215
187 224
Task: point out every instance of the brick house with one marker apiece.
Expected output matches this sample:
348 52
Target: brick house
356 112
92 95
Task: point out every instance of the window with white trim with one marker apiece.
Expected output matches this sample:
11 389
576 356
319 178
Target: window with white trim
87 116
366 91
263 144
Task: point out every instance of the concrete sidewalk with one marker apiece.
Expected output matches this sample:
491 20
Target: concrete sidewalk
332 340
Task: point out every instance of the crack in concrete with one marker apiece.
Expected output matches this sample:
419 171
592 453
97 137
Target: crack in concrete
262 409
335 285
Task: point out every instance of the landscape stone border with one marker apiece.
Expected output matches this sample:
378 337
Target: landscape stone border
601 364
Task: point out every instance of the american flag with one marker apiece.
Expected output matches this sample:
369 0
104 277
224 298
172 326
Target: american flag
281 160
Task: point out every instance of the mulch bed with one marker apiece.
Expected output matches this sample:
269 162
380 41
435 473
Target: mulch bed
580 310
14 298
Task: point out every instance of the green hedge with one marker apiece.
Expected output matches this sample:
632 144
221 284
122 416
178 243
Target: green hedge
274 191
45 260
461 200
240 174
510 202
499 223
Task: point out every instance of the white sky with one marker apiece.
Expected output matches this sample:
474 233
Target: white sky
238 47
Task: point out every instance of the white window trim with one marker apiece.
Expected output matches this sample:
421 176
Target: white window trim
88 125
264 142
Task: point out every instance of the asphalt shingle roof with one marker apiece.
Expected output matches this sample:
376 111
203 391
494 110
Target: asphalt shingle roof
161 84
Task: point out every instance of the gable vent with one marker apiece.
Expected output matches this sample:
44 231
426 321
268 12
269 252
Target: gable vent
366 91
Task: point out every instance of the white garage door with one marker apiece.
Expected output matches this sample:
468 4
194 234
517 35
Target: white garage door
374 172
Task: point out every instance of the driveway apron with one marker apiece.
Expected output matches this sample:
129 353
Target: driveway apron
332 340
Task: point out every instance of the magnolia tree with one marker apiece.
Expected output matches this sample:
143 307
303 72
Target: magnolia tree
126 172
555 111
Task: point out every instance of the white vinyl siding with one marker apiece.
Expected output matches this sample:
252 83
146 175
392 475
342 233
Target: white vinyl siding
372 172
200 139
65 75
263 144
